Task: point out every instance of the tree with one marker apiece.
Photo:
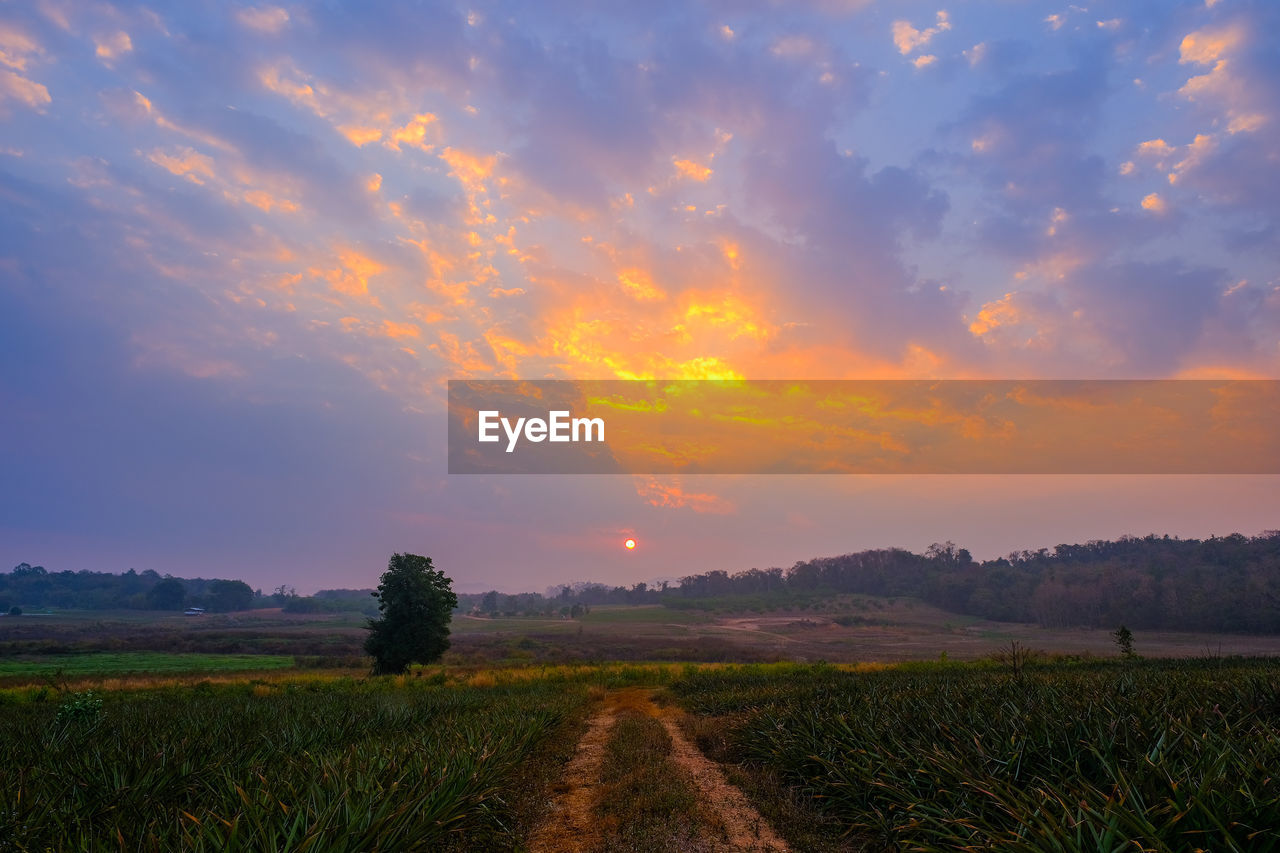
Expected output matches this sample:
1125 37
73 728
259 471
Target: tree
1124 641
416 603
167 594
225 596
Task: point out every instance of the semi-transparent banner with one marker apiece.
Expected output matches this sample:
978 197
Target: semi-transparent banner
864 427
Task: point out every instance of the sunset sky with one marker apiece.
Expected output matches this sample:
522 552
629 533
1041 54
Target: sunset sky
243 248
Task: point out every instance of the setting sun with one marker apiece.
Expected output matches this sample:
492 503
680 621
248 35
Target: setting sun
630 544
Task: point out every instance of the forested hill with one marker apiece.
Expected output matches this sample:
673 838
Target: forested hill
1226 584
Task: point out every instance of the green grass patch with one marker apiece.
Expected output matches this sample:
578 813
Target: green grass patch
120 663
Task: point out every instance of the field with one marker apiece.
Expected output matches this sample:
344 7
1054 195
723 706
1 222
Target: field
853 724
321 763
1014 754
1159 756
836 629
122 663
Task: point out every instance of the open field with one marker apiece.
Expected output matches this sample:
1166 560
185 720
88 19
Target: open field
1071 756
843 628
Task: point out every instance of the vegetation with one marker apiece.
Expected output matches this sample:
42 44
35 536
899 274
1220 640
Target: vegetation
646 801
416 602
1124 641
1227 584
36 587
1176 756
119 663
1223 584
326 764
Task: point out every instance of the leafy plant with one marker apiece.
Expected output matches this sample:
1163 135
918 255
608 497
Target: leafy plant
80 707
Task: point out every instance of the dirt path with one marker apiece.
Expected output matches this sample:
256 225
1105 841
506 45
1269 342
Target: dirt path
746 830
571 827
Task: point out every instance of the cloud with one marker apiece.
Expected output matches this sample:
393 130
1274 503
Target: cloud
413 133
184 162
1155 204
297 215
17 48
15 87
670 494
264 19
907 38
111 46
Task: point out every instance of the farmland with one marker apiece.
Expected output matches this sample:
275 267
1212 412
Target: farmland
123 663
1026 754
838 628
1172 755
855 723
284 765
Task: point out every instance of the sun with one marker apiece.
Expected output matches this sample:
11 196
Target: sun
630 544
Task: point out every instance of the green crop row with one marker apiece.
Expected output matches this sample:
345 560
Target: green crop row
337 765
1156 757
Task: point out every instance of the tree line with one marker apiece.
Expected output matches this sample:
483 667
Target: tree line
1220 584
33 587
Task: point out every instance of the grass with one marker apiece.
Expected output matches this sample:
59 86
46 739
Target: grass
646 802
1159 755
118 663
305 764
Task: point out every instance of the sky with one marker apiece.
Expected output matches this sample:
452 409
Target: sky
243 249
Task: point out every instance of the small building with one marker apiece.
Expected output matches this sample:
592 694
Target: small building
193 611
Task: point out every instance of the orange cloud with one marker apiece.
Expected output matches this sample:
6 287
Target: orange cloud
360 136
396 330
1204 47
690 169
265 201
351 276
186 163
639 285
671 495
470 169
413 134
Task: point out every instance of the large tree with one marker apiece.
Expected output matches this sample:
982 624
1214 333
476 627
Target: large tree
416 603
226 596
167 594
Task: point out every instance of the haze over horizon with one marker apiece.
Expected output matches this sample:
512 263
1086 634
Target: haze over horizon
243 248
